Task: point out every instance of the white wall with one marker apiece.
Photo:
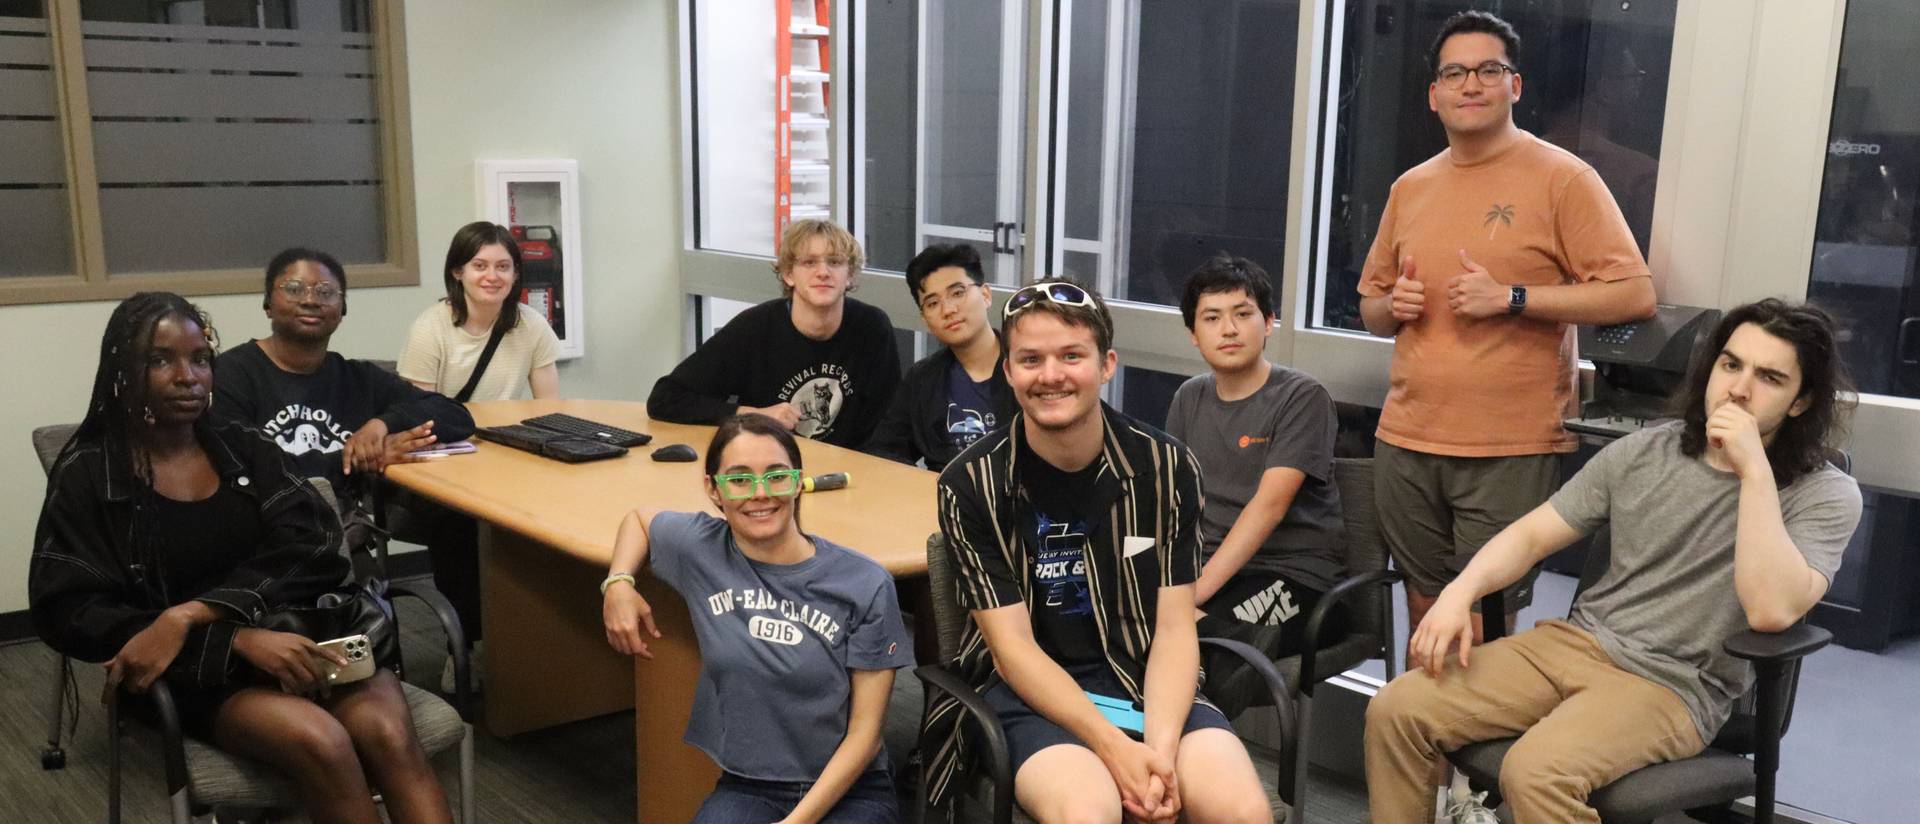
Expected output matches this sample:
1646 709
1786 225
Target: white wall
581 79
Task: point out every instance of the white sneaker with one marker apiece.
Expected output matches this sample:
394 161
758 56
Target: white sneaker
1470 808
473 667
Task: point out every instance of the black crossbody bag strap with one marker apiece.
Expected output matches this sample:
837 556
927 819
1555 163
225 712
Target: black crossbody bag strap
480 366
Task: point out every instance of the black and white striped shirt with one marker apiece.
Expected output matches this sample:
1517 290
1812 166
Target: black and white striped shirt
1142 535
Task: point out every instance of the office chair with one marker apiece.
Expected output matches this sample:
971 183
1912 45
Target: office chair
201 778
47 443
1707 783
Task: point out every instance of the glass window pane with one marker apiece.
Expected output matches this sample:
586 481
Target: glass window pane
941 91
1147 393
1204 116
1868 231
34 203
288 89
1595 84
892 110
735 60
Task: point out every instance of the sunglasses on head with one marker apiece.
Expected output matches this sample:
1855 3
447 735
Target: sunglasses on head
1054 291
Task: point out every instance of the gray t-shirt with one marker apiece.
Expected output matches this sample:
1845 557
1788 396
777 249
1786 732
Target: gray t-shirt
1289 422
776 644
1667 601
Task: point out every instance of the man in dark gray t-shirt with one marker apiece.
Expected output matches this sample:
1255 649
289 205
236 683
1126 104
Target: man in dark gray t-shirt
1728 520
1271 531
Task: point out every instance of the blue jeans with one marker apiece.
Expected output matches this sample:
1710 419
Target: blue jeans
737 800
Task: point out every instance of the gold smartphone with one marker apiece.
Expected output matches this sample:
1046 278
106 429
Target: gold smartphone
359 654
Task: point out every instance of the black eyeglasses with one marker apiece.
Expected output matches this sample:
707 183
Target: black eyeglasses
1056 291
1454 76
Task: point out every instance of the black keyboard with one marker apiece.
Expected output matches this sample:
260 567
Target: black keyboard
550 444
583 428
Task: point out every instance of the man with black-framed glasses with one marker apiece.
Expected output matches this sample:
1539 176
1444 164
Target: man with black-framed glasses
1486 257
955 396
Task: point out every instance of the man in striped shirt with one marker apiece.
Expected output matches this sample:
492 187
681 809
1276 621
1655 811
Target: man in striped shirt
1074 542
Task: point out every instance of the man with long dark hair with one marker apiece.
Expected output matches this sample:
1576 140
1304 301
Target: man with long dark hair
1729 519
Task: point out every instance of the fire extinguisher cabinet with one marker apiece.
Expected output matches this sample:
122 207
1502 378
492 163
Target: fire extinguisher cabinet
539 201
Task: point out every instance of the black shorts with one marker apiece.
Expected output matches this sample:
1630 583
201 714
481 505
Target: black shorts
1268 612
1029 732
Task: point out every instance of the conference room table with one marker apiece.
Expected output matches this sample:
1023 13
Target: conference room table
547 531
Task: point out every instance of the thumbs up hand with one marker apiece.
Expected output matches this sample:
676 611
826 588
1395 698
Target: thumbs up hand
1474 293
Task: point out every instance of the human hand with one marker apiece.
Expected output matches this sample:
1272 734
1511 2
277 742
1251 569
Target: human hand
299 664
1409 296
623 610
146 655
1448 624
1736 433
364 447
1475 294
373 448
1142 775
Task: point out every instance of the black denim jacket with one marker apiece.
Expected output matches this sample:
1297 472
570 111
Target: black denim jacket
89 597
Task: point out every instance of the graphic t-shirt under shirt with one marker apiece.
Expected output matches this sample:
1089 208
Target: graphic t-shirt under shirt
1062 608
776 642
969 408
1534 214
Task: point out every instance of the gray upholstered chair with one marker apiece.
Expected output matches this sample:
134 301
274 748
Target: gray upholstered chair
986 788
47 443
1707 783
202 778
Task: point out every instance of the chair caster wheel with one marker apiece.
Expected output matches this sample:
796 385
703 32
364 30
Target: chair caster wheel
53 758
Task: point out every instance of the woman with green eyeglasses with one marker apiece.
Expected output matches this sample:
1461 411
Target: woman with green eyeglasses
799 638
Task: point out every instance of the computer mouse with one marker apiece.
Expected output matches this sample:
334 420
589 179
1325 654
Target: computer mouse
676 452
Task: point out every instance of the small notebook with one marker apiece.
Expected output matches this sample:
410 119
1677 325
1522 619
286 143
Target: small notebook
443 449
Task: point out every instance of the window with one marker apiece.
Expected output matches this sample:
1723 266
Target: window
1868 233
220 133
1193 99
941 101
35 201
1595 84
1144 393
763 116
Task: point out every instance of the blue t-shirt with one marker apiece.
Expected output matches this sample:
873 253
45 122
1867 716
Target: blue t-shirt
969 408
776 642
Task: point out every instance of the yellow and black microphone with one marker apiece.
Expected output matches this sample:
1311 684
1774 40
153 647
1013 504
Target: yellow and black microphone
822 483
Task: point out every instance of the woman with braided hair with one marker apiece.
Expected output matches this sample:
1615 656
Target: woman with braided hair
166 538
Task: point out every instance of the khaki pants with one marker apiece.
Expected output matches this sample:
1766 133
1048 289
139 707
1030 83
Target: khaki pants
1582 722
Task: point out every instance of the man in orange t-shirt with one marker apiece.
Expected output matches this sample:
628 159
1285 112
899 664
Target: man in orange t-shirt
1486 256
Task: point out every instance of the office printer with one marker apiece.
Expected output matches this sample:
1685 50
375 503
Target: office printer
1637 367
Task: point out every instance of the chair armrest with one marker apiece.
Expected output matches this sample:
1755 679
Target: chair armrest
999 763
173 742
1797 641
456 639
1318 618
1283 703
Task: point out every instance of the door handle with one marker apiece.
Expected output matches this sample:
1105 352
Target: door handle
1900 343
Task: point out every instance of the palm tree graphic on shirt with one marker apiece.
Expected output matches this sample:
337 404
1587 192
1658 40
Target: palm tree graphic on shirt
1500 213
